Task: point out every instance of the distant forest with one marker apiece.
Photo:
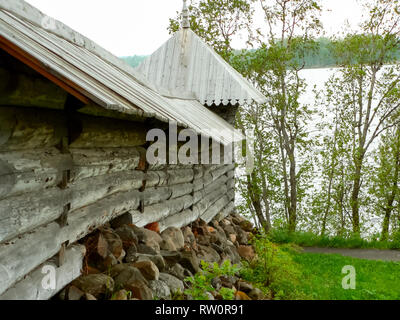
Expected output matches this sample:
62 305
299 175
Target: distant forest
322 57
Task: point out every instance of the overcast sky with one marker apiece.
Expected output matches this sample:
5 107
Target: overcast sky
128 27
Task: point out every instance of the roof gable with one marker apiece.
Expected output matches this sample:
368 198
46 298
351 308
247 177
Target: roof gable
186 67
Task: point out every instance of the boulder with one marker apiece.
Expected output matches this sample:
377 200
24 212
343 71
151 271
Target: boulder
90 297
95 284
139 290
189 261
114 242
230 253
145 249
188 236
128 236
74 293
239 295
160 289
256 294
171 257
208 254
121 221
178 271
168 245
175 235
126 274
246 252
244 286
173 283
157 259
148 269
246 226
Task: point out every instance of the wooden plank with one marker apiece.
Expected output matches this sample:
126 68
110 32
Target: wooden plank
230 208
21 255
24 213
215 208
31 288
31 170
19 214
159 211
28 128
179 220
100 132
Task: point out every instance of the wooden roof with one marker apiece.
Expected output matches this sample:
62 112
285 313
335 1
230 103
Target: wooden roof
88 71
186 67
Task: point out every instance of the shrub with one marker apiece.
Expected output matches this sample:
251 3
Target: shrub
273 269
201 281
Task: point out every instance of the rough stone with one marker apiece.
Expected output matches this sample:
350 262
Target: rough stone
95 284
239 295
246 226
121 221
139 290
171 257
126 274
174 284
128 237
189 261
244 286
145 249
168 245
208 254
256 294
74 293
175 235
246 252
178 271
188 236
148 269
115 245
160 289
157 259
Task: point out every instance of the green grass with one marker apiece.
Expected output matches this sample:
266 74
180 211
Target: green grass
321 278
307 239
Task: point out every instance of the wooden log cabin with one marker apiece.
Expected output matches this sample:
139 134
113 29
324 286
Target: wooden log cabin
73 126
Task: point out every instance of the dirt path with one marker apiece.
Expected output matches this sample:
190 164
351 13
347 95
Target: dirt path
370 254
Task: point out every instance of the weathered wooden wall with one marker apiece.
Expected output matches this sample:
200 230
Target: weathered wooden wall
64 173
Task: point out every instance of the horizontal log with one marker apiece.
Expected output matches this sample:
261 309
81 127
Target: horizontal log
231 174
211 188
155 195
24 253
29 128
229 209
180 176
31 170
215 209
19 214
98 132
101 161
209 199
90 190
161 167
156 178
31 288
179 220
157 212
180 190
230 183
24 213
